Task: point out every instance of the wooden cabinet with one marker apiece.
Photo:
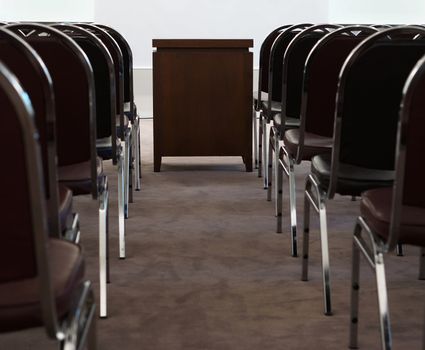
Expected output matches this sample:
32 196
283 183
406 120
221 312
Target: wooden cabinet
202 99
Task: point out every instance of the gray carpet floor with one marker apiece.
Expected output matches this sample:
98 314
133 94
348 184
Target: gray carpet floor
206 270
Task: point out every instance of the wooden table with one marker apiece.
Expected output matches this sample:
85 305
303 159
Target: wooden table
202 99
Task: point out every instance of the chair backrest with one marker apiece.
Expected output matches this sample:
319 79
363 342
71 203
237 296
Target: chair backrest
34 77
74 91
368 99
118 61
320 80
408 189
24 224
264 59
277 51
104 80
294 60
127 55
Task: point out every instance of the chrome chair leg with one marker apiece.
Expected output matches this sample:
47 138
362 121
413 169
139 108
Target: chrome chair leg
136 136
293 206
121 201
318 200
260 145
103 246
325 257
384 316
276 166
254 127
279 197
130 149
355 286
306 237
126 147
265 144
268 178
422 264
399 249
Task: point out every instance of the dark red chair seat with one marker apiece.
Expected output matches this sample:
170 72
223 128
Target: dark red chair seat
65 205
290 123
20 301
276 107
352 180
77 177
313 144
375 208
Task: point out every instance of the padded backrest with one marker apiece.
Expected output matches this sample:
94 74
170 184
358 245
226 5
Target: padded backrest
371 101
414 139
323 72
276 63
102 83
72 97
294 61
31 80
265 58
17 254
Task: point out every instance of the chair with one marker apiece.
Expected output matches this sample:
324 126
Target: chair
311 67
273 104
367 102
289 118
130 108
260 95
124 129
393 214
41 278
106 96
35 79
79 168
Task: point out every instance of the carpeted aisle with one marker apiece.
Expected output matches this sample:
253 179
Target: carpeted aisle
206 270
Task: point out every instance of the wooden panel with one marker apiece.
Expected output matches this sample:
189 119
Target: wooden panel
202 103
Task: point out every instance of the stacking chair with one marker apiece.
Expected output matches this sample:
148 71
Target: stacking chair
41 278
124 125
273 104
130 108
393 214
26 64
289 118
310 82
260 96
366 114
108 145
79 167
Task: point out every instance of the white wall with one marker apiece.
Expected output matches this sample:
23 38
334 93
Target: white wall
46 10
141 21
377 11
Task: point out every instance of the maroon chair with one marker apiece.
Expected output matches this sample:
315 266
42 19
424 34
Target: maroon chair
41 278
130 108
35 79
294 59
367 105
79 167
315 105
273 104
396 214
260 95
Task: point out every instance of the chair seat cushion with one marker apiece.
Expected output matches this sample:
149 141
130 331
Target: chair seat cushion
290 123
352 180
313 144
276 107
20 300
375 208
104 148
65 206
77 177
